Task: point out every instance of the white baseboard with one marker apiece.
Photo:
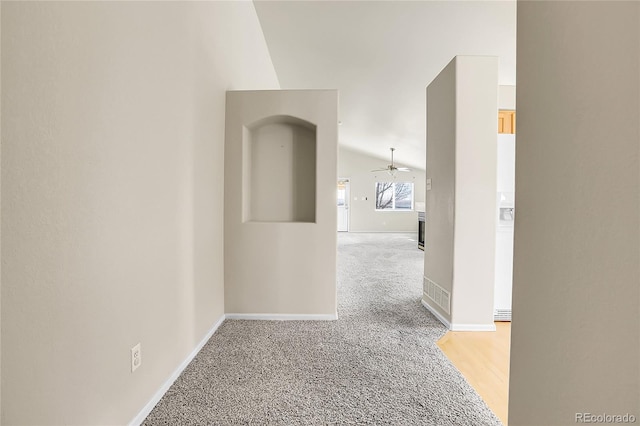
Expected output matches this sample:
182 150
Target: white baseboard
284 317
502 314
386 231
437 314
137 420
458 327
473 327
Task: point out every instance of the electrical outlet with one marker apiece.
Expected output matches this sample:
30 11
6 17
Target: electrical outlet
136 357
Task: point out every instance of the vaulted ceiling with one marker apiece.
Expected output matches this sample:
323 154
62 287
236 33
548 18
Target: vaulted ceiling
381 55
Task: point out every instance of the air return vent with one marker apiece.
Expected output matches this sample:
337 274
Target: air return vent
502 315
439 295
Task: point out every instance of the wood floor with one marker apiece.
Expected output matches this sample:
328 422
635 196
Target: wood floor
483 359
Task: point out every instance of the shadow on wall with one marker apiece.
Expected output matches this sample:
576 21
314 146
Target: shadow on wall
279 166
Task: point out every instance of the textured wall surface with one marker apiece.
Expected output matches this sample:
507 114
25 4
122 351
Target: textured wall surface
475 193
112 188
462 112
575 344
441 167
286 267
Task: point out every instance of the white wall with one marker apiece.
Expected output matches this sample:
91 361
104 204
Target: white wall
281 265
112 189
462 112
280 172
575 344
506 97
441 162
0 219
363 217
505 179
475 202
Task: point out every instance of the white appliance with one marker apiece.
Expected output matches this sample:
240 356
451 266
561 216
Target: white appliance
505 217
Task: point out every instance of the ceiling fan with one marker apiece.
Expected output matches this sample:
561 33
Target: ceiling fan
391 168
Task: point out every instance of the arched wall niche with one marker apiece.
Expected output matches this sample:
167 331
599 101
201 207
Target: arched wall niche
279 170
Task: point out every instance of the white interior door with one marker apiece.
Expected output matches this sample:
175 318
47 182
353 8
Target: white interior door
343 205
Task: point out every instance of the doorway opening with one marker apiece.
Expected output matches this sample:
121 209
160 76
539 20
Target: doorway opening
343 205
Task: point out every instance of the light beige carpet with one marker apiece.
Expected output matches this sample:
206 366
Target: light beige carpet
378 364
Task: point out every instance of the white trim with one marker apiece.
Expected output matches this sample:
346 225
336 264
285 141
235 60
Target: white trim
284 317
385 232
396 211
142 415
473 327
458 327
437 314
348 198
393 183
502 315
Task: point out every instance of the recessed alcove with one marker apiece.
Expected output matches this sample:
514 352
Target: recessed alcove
279 170
280 203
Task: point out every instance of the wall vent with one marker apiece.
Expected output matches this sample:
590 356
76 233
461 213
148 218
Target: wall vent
439 295
502 315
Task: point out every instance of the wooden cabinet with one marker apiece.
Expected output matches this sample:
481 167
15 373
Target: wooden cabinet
506 121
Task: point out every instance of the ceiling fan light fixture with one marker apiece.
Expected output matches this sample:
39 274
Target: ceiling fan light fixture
391 169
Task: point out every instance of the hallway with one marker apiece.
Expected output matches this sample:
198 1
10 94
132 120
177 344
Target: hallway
378 364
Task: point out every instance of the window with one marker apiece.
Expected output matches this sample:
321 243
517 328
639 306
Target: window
394 196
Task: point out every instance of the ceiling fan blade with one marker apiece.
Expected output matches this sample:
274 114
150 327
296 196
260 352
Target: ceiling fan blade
391 168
